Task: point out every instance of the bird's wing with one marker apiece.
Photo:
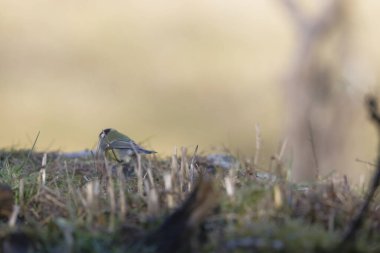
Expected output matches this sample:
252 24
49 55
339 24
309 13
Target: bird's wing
120 144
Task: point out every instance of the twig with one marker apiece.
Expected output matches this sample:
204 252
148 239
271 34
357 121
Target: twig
307 73
365 162
329 15
313 148
357 222
295 13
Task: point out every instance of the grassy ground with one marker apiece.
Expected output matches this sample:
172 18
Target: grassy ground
183 203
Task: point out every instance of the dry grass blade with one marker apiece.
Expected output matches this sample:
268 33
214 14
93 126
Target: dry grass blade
183 170
139 173
122 201
192 169
258 145
112 198
13 218
168 188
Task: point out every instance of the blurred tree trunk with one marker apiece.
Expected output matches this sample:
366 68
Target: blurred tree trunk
317 105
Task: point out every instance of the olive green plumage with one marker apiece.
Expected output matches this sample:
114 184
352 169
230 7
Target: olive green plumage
118 147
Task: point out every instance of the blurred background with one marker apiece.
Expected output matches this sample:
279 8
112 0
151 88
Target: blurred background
166 73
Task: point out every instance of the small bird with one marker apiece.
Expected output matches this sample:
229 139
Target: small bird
118 147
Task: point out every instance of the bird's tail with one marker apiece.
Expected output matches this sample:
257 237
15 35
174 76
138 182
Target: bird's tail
145 151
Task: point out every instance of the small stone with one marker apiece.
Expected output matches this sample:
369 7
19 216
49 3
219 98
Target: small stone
224 161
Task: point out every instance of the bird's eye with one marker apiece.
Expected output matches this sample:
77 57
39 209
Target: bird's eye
104 132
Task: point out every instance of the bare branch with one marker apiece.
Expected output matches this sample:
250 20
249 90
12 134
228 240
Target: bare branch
295 13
